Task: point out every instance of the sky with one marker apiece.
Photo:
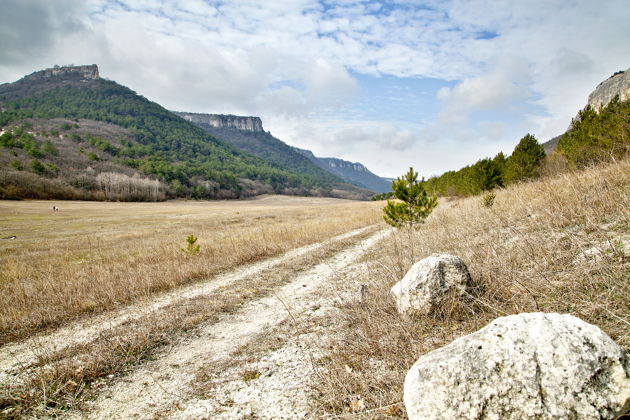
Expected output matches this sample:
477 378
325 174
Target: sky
434 85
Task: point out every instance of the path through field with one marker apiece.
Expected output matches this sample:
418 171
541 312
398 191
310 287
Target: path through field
172 383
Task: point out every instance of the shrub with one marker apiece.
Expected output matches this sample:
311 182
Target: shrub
488 199
15 164
191 248
414 205
50 149
37 166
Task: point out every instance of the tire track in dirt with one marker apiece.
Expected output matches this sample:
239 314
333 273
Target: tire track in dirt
19 356
155 387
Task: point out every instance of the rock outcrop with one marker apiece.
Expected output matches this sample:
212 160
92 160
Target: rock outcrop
44 80
617 84
223 121
429 282
525 366
89 72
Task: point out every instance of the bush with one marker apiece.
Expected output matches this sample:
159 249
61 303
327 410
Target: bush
37 166
50 149
525 161
191 248
488 199
15 164
415 204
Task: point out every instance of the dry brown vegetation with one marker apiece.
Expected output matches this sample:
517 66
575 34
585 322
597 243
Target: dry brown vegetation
89 257
68 378
557 245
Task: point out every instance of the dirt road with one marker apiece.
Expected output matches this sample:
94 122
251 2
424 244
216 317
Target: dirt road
169 384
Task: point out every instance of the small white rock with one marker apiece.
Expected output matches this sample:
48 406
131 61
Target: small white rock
429 282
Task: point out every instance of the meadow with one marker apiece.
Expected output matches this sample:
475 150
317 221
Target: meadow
92 256
559 244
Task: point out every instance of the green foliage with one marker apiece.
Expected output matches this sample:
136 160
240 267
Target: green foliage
15 164
597 136
191 248
20 139
76 137
37 166
102 144
165 144
415 204
68 126
93 156
525 161
50 149
382 196
484 175
52 168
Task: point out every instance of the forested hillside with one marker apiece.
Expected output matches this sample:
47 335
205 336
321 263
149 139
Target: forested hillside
187 159
265 146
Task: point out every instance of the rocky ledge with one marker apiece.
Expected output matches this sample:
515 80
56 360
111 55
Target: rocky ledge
89 72
223 121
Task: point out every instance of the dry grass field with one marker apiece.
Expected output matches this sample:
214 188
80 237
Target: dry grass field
91 256
560 244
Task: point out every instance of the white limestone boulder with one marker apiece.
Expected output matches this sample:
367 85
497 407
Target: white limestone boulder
429 282
525 366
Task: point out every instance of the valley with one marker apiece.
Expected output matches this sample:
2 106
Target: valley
167 256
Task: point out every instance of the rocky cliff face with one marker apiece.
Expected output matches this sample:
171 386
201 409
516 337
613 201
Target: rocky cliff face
89 72
617 84
223 121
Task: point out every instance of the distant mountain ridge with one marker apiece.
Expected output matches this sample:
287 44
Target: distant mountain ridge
353 172
247 134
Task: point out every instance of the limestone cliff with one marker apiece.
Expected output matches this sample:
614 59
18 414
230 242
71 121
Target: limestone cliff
89 72
223 121
617 84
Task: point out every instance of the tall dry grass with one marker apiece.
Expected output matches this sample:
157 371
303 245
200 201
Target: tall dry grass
558 245
92 256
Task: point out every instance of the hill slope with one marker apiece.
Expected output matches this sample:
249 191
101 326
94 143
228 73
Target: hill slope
178 153
355 173
247 134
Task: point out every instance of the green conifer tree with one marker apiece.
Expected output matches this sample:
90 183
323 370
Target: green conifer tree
414 205
524 163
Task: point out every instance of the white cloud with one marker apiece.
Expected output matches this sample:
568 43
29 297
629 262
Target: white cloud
290 61
501 86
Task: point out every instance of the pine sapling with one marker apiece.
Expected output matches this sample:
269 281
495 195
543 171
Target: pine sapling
414 205
191 248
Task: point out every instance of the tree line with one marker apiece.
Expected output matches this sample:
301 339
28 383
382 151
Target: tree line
594 136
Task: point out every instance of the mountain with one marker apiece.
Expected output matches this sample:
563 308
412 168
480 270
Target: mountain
247 134
352 172
156 144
